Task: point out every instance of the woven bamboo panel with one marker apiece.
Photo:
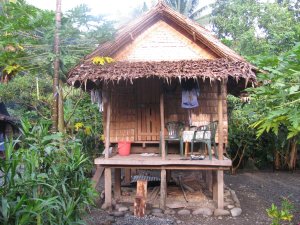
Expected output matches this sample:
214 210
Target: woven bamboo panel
135 109
162 42
206 112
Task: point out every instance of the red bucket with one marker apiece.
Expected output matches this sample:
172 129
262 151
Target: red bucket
124 148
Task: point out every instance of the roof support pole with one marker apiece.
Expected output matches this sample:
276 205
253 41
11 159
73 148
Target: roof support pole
107 137
162 126
220 119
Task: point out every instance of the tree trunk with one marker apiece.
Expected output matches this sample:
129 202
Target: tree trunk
277 160
56 67
293 154
61 120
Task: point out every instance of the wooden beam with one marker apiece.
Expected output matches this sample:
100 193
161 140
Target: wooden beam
220 119
163 188
108 114
107 188
162 126
117 186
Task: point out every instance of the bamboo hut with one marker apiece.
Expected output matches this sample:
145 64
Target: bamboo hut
142 91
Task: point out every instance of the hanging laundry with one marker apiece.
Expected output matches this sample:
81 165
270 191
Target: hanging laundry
96 97
190 93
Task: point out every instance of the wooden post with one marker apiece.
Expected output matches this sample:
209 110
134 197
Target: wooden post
117 187
107 188
215 186
163 188
220 119
127 176
107 138
162 126
220 188
140 199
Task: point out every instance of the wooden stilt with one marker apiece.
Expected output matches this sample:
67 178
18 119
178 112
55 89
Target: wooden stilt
220 188
107 187
163 189
133 172
162 126
215 186
107 137
117 186
220 119
208 178
127 179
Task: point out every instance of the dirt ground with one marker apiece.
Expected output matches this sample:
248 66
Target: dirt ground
256 192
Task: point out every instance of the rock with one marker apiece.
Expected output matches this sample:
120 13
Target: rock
184 212
104 206
220 217
176 205
203 211
156 210
169 212
226 193
178 221
234 197
117 206
236 212
229 201
118 214
123 209
158 214
221 212
230 206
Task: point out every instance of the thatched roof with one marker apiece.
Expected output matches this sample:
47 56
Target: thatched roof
228 64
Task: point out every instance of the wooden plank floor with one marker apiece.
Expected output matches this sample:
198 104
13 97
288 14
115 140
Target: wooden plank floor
136 160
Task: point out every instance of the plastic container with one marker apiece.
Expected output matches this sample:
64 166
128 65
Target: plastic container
124 148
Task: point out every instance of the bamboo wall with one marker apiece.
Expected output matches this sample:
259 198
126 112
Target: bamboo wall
127 108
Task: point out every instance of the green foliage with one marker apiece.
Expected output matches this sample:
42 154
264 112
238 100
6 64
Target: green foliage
242 138
253 27
279 94
44 180
84 121
282 214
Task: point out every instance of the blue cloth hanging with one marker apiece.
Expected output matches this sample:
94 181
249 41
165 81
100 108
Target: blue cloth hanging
190 94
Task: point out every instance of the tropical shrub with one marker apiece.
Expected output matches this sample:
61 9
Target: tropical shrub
282 214
43 181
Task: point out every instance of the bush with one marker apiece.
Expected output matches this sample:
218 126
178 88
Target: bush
44 182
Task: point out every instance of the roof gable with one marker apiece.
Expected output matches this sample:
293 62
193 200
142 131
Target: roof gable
161 12
162 42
